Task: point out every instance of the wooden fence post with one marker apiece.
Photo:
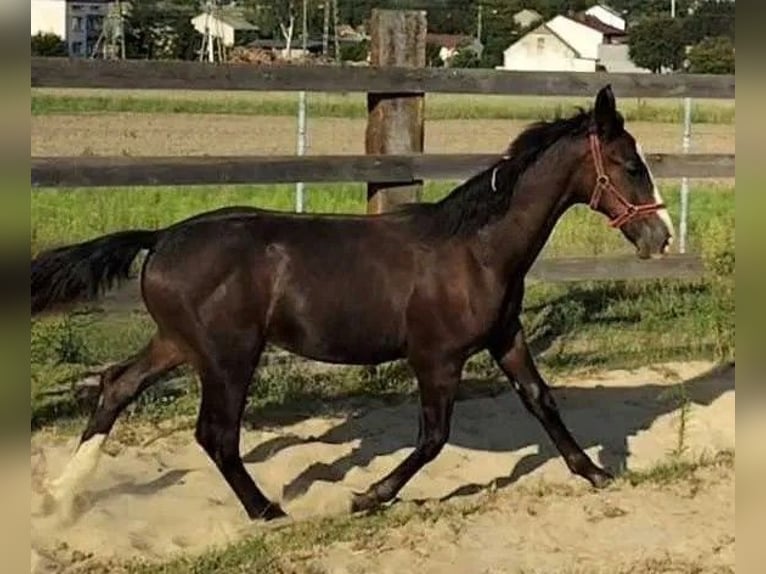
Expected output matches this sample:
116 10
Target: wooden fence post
395 120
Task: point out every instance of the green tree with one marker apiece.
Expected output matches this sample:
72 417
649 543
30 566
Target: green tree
161 31
498 30
636 10
711 18
466 57
656 43
48 45
712 56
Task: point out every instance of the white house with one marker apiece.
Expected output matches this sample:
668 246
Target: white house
77 22
564 43
543 49
615 58
607 15
582 34
224 23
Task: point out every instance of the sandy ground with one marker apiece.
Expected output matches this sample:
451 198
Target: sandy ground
167 497
187 134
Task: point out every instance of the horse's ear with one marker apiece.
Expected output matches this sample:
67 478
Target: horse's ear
605 110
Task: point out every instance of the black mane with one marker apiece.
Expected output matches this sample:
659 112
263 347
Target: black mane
474 203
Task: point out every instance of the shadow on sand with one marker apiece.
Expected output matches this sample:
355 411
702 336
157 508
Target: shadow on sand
598 416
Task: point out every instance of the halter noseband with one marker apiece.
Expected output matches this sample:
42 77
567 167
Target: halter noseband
604 183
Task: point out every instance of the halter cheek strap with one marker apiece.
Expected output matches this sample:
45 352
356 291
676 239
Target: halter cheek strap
604 184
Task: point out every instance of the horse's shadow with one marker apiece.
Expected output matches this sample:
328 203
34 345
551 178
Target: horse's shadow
598 416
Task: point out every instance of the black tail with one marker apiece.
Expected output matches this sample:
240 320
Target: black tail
82 271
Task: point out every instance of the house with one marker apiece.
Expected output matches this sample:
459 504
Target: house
615 58
77 22
228 24
450 44
607 15
526 18
544 49
586 33
565 43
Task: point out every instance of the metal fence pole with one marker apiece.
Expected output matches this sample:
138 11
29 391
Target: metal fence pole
299 200
299 187
685 181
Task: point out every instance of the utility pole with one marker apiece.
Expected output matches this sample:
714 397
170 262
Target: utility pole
672 8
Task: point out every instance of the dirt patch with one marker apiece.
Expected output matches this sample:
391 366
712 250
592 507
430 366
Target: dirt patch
167 498
191 134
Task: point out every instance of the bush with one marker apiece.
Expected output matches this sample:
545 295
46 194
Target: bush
48 46
354 52
712 56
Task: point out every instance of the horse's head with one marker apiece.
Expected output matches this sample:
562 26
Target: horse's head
616 181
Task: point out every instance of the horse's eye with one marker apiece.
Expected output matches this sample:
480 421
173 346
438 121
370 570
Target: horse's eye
633 168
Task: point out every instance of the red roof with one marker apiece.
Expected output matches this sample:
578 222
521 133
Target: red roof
596 24
450 41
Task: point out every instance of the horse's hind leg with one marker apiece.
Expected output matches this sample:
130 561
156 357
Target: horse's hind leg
438 382
120 385
224 394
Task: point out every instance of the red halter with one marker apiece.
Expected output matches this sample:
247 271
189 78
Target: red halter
603 183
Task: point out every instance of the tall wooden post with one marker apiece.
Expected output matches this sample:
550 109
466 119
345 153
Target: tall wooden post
395 121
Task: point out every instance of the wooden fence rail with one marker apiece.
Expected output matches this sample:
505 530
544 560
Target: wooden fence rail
205 170
151 74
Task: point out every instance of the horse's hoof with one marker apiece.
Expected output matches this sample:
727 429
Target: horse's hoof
363 501
600 478
272 512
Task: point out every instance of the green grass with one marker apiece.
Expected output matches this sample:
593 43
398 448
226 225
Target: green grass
62 216
676 468
353 105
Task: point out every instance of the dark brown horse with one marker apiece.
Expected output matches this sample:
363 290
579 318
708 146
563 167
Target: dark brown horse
430 283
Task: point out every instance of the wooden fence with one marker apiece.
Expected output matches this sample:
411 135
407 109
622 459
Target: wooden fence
392 168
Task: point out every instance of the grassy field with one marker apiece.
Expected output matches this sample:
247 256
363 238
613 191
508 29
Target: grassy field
61 216
582 326
353 105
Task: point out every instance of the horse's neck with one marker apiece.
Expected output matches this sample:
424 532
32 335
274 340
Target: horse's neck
541 197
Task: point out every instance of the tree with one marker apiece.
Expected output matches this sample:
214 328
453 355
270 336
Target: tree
712 56
466 57
155 30
656 43
48 45
710 19
499 30
636 10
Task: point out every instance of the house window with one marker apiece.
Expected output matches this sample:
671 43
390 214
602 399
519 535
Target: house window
76 8
77 24
77 48
540 45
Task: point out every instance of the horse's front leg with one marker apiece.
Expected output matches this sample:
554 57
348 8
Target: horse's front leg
512 355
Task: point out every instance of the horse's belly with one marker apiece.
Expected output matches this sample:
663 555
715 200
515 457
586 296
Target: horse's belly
338 334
